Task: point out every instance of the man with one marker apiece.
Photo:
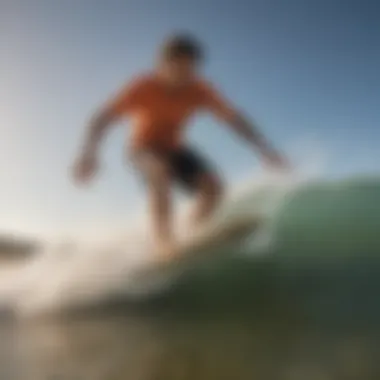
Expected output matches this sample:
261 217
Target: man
160 104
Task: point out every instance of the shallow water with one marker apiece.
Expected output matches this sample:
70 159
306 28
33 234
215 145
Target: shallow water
321 326
306 309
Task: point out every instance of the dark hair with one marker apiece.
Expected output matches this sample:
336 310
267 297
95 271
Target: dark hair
182 45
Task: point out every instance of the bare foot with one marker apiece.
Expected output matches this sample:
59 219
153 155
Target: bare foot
196 227
166 251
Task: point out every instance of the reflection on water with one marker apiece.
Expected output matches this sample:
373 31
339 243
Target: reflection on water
314 327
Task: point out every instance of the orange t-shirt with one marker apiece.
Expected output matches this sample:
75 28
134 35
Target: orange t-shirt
159 114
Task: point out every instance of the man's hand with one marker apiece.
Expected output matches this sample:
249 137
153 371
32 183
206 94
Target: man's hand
85 168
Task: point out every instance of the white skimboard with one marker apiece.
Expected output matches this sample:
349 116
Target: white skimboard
212 240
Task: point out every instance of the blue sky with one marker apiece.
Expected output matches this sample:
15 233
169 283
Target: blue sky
308 71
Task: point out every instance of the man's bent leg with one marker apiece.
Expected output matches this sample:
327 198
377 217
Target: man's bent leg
197 176
208 197
157 175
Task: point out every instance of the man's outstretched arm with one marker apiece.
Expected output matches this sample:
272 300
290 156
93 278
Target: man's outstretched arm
96 130
250 133
244 127
87 163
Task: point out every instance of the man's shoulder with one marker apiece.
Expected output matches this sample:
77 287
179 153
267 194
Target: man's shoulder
142 80
202 82
205 86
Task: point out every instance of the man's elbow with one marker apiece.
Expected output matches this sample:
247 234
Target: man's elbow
227 115
102 119
232 117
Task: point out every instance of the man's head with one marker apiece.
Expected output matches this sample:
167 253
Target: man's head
180 57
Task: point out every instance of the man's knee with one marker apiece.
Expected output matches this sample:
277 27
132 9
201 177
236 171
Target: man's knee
156 173
160 174
212 186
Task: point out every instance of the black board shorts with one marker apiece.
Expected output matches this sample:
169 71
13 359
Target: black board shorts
185 164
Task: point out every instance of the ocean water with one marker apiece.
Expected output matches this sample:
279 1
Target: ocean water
298 300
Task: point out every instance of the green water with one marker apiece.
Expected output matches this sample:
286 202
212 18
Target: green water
309 308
